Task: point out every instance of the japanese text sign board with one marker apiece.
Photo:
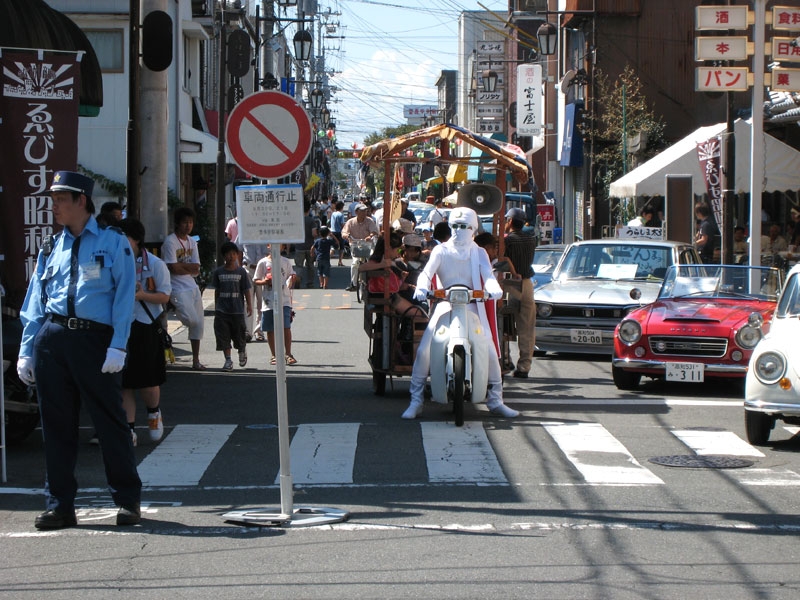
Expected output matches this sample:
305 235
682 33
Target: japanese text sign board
529 99
721 17
721 79
785 80
720 48
786 18
270 213
629 232
269 134
783 49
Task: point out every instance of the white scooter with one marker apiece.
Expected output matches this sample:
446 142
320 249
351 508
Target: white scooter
459 367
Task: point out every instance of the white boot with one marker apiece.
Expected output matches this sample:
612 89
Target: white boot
417 389
414 410
501 410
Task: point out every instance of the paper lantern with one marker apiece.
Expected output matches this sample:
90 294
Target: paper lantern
437 152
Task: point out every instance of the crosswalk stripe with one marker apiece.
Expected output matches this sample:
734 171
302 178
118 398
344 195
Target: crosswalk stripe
460 454
183 456
323 453
725 443
772 477
598 455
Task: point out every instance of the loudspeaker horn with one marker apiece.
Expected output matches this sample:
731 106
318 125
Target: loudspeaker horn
482 198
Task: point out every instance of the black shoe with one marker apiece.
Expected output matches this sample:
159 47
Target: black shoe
520 375
52 519
129 515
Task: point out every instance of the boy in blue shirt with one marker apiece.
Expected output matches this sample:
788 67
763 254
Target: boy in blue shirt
322 251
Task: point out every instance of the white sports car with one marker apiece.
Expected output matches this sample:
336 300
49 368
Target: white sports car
772 385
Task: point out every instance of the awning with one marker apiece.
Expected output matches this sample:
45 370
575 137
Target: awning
194 30
199 147
782 165
434 180
457 173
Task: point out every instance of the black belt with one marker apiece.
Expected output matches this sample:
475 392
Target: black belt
75 323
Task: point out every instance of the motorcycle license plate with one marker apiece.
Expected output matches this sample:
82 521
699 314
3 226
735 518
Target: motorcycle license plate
686 372
586 336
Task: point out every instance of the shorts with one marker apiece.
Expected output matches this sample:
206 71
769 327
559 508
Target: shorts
189 310
145 366
324 268
268 319
230 328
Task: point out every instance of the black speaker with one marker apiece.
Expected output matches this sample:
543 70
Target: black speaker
482 198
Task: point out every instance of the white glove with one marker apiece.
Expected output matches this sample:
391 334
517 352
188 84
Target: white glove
25 370
493 289
115 361
421 294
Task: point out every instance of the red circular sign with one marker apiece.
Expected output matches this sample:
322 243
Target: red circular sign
269 134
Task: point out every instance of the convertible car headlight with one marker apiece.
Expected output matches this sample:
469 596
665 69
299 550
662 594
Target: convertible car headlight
748 336
630 332
544 310
769 367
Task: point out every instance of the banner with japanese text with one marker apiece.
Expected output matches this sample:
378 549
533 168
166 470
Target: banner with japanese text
39 129
709 153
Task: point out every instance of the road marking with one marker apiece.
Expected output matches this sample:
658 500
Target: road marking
460 454
323 453
774 477
184 455
605 402
716 443
598 455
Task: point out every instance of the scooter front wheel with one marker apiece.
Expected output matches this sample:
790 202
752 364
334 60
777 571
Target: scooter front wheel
459 376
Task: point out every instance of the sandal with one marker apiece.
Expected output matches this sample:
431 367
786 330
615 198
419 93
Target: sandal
290 360
198 366
272 360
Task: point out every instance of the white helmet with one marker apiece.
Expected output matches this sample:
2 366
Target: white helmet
461 214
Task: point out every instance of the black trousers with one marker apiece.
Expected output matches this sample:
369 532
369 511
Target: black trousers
67 370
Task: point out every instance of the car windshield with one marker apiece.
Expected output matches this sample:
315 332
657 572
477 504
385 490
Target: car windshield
722 281
615 261
789 305
545 258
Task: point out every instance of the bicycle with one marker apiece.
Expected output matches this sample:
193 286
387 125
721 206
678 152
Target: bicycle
361 250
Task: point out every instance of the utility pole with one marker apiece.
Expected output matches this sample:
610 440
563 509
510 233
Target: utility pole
134 134
219 205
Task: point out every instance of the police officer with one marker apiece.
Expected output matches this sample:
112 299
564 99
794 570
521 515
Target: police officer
76 318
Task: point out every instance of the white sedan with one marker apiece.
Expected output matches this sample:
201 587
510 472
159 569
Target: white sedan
772 385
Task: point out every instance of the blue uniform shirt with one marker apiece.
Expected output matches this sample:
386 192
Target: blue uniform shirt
106 284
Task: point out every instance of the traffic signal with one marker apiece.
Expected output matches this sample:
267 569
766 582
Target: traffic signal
157 40
238 53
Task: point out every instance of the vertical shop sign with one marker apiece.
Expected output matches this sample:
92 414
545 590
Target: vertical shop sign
529 99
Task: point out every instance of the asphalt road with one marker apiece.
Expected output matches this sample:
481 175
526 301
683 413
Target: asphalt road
563 502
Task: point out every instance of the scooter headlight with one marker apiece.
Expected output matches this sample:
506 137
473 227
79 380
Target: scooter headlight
769 367
630 332
459 296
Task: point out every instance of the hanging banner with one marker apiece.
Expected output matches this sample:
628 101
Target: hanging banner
708 153
39 129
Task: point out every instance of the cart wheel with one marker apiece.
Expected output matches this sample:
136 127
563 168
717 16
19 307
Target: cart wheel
758 426
361 290
458 387
379 383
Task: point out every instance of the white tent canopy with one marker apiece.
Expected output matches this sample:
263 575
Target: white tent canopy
781 168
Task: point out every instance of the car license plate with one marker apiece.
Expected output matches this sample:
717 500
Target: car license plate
586 336
686 372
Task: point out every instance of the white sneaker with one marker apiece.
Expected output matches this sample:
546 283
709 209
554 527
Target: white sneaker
156 425
134 439
242 358
501 410
413 411
228 366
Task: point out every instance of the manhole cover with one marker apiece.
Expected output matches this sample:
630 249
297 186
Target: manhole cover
709 461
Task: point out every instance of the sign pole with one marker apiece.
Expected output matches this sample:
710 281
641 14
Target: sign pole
757 132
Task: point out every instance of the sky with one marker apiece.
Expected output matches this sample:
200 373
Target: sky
392 54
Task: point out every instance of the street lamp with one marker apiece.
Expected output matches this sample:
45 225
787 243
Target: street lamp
489 81
302 44
316 96
325 115
547 34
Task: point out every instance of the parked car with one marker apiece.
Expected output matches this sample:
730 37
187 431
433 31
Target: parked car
704 324
412 197
590 291
772 385
545 259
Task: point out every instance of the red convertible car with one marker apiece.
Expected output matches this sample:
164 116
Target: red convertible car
705 323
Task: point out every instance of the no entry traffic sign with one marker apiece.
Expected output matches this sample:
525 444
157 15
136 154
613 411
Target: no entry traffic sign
269 134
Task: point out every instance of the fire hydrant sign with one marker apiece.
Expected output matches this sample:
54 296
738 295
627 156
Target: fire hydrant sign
270 213
269 134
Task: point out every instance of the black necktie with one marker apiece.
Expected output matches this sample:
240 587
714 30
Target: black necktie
73 277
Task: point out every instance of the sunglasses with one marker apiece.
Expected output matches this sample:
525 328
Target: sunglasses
460 226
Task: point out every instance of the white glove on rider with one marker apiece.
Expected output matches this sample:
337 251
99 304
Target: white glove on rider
115 361
493 289
25 370
421 294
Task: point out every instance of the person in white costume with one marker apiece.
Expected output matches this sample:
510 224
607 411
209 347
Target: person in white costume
458 261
